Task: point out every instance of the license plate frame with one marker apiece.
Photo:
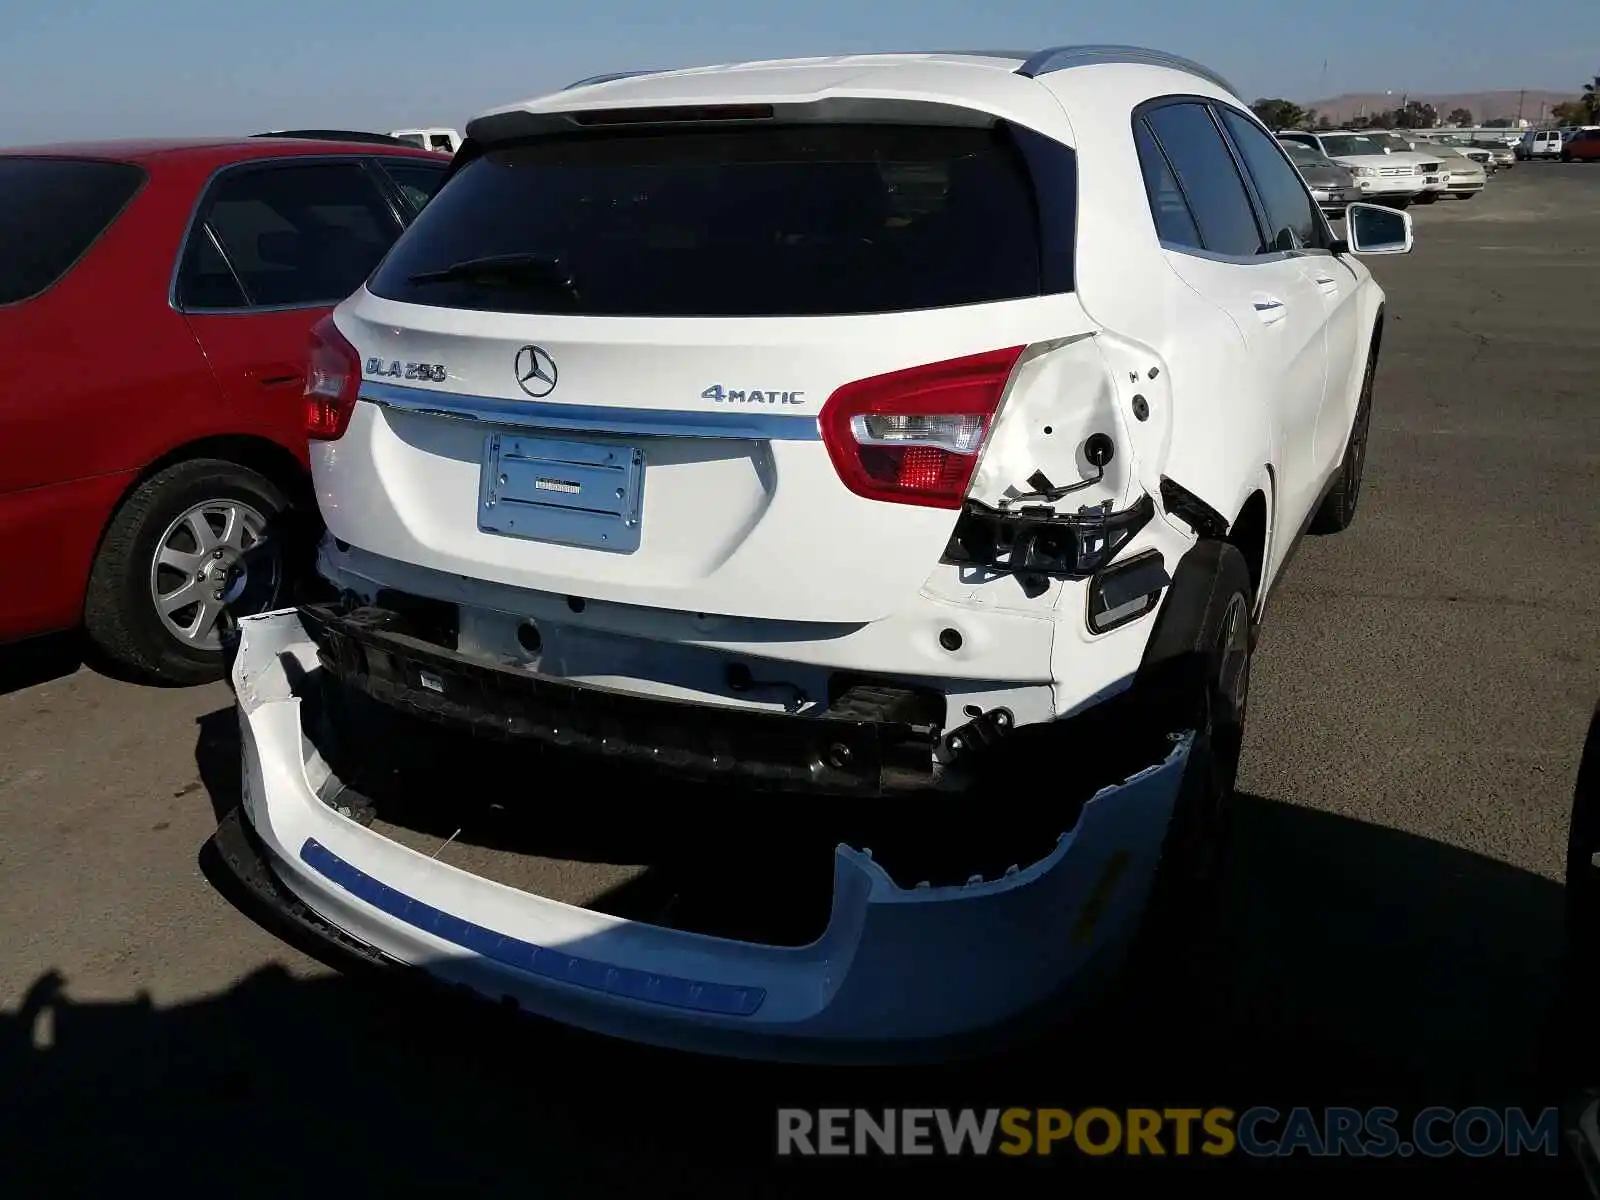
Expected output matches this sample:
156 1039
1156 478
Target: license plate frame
561 490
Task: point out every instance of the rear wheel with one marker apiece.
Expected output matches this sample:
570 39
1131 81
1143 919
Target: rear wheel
1186 891
1338 508
172 552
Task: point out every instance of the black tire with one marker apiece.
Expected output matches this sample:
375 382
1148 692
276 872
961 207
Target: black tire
120 613
1206 679
1426 198
1400 202
1338 507
1566 158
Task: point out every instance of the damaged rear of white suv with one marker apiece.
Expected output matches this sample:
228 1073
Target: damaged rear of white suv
892 450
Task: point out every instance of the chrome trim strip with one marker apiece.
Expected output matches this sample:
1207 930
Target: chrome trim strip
582 418
1061 58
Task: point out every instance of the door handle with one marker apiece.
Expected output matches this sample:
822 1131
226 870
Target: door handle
275 374
1270 309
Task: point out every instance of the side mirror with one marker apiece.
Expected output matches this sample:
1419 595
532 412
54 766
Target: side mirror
1374 229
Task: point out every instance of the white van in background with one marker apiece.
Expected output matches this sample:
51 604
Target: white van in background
446 141
1540 143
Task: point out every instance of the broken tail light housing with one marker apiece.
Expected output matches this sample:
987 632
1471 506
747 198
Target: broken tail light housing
1037 543
333 380
914 436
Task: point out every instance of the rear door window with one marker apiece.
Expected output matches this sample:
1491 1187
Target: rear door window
417 181
1292 219
771 221
287 234
51 211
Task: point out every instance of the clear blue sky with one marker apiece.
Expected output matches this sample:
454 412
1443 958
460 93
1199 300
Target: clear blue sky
85 68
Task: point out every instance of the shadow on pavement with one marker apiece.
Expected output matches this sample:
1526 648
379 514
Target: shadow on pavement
39 660
1355 965
52 656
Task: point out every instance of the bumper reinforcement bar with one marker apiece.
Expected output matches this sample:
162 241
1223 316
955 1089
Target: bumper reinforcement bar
370 651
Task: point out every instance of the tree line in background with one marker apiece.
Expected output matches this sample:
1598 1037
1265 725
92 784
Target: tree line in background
1415 114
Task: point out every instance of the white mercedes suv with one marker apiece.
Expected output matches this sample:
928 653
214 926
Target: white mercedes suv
877 463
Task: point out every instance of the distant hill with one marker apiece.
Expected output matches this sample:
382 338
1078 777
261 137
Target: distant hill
1484 106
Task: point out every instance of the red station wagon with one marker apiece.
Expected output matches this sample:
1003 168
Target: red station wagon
155 304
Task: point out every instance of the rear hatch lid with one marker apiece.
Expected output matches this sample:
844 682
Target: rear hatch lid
600 362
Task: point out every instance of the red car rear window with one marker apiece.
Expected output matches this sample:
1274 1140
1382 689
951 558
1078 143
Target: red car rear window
51 212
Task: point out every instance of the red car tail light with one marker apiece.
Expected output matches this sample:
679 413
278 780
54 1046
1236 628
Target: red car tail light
914 436
333 378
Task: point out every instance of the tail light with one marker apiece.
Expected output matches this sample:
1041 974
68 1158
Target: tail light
333 378
914 436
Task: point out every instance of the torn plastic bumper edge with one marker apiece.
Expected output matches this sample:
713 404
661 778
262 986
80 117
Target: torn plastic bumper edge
898 971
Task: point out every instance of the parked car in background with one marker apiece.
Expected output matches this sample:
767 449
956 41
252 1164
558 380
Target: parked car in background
1500 154
1398 143
1482 155
445 141
1539 143
1333 185
1465 176
155 299
1583 146
1395 177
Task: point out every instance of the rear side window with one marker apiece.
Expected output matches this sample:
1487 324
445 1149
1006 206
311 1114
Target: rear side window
1174 222
51 212
1206 173
804 220
286 234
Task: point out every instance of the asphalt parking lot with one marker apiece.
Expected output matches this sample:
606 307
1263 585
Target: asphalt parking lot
1421 694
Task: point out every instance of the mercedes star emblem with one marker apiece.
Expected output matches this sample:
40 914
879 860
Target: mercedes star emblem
536 371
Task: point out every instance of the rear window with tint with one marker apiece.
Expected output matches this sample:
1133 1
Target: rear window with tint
51 211
777 221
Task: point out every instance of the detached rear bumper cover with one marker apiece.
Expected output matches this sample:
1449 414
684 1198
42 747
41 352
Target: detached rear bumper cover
897 971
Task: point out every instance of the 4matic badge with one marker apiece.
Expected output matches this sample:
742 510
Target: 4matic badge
718 394
395 369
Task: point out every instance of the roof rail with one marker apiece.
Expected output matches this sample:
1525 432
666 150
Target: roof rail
1019 55
1060 58
611 78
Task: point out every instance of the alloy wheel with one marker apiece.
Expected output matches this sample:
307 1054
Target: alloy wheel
197 561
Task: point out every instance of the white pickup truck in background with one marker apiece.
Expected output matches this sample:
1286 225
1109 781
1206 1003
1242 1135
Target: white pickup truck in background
447 141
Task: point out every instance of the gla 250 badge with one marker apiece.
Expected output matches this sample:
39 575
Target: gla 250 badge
395 369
